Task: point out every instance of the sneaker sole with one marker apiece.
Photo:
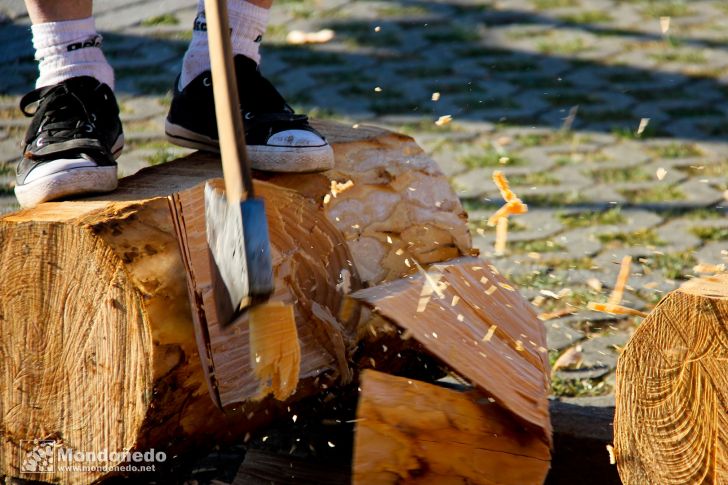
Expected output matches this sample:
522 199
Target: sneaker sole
74 181
266 158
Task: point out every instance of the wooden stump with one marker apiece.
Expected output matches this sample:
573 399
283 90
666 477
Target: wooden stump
413 432
671 420
97 348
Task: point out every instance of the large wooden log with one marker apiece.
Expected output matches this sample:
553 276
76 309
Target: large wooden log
414 432
97 348
671 419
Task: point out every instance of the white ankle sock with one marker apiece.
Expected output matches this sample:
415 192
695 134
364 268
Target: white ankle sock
247 22
69 49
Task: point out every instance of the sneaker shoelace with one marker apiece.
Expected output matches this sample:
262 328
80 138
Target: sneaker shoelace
61 115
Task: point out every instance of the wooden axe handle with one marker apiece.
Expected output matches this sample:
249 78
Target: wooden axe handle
235 163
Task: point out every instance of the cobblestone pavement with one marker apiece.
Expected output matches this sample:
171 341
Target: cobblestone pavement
608 116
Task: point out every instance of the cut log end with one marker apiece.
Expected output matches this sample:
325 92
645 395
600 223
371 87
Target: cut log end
672 385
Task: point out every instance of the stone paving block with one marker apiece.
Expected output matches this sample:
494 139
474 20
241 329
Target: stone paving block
560 336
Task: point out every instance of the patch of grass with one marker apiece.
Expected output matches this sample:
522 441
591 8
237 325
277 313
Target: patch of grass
655 193
676 150
666 8
683 56
711 233
552 138
536 246
578 388
578 263
558 199
571 46
428 126
549 4
641 237
611 216
481 226
162 155
701 214
709 170
164 19
587 17
533 179
402 11
620 175
489 157
675 266
538 279
578 298
627 133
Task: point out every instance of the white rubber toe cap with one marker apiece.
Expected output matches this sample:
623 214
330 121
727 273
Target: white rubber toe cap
296 138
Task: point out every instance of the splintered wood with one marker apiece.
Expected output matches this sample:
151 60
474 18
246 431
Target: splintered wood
671 421
274 349
393 204
309 256
409 431
499 219
491 336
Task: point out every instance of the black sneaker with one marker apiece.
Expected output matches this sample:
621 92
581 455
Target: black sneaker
278 140
72 142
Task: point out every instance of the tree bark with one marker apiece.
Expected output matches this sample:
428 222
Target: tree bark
671 422
97 347
413 432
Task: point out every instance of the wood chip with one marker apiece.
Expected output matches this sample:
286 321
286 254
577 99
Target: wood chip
572 358
501 236
443 120
616 297
594 284
299 37
490 333
511 208
504 187
337 188
556 314
610 448
614 309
